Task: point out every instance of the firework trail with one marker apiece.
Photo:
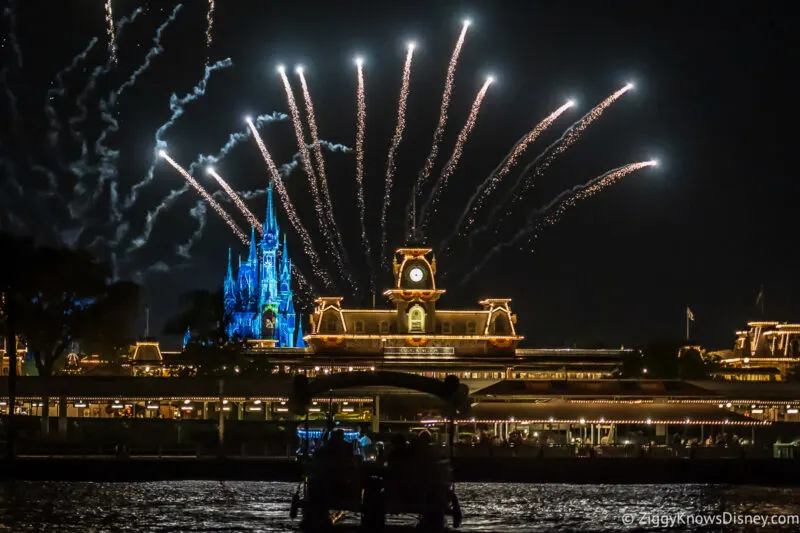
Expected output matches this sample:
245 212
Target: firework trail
552 212
198 212
157 49
544 159
312 180
107 166
398 136
209 35
251 218
207 197
177 106
458 150
361 115
112 41
448 91
496 176
317 147
98 71
58 90
233 140
291 213
305 289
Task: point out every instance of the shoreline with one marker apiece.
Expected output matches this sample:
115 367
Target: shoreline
771 472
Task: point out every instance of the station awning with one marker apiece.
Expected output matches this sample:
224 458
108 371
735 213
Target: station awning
565 412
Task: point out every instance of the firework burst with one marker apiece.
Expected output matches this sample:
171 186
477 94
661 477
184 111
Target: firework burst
398 136
497 175
552 212
209 27
446 94
572 135
361 119
251 218
458 150
207 197
112 41
291 213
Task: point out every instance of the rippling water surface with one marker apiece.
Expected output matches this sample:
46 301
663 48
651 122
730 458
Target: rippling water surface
195 506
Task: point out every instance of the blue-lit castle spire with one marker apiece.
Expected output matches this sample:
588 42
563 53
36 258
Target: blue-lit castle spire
262 301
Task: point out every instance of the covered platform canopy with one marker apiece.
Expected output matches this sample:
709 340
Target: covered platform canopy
602 388
567 412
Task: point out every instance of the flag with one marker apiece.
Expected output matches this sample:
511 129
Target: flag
689 314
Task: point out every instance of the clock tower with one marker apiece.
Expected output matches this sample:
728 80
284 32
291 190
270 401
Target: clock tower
414 293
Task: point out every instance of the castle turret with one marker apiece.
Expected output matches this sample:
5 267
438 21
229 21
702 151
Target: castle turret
229 290
301 343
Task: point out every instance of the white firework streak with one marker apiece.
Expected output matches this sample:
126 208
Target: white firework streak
209 27
291 213
496 176
398 136
361 119
207 197
319 206
439 132
555 209
251 218
177 106
112 40
317 147
545 158
233 140
455 157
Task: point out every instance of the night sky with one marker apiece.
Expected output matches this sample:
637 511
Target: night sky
713 102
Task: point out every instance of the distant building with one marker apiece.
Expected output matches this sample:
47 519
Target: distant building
259 302
766 351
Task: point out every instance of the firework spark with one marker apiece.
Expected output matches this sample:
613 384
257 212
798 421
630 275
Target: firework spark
251 218
496 176
291 213
207 197
305 156
552 212
398 136
559 146
317 146
448 91
569 138
361 115
209 27
112 41
458 150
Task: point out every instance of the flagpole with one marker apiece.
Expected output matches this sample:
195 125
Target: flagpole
687 324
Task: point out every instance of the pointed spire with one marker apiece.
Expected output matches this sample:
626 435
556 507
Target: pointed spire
230 267
253 254
270 222
301 343
285 268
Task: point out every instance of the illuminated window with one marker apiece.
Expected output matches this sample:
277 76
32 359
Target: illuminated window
384 326
359 326
471 327
330 324
446 328
416 319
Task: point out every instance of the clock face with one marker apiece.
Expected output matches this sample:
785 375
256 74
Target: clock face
416 274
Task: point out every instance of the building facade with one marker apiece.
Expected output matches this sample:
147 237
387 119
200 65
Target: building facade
258 298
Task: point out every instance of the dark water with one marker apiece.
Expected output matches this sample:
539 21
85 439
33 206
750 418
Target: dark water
195 506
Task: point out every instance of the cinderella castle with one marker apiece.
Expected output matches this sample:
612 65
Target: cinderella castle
259 303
